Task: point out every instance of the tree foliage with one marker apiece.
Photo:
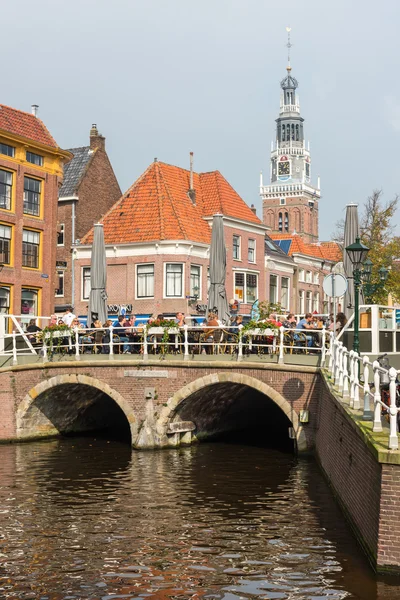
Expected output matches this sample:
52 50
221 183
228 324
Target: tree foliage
378 233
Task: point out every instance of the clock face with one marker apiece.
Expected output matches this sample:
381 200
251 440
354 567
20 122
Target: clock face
284 168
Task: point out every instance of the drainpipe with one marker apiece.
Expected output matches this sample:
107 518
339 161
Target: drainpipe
73 253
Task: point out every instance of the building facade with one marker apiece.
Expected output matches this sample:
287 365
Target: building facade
290 200
31 172
89 190
158 241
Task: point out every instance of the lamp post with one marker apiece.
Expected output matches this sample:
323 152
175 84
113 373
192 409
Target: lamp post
357 254
369 288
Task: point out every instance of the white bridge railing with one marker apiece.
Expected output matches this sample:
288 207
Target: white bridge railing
361 383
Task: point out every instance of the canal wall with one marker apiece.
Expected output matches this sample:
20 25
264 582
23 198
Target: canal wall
364 476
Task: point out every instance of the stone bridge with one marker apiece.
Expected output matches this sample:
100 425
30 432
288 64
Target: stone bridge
160 403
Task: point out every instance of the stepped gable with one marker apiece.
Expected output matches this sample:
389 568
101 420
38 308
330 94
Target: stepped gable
157 207
331 251
25 125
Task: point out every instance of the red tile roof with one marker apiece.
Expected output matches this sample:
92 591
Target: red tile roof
25 125
157 207
324 250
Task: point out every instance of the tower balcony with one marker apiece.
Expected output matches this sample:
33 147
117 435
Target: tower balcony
276 189
289 108
291 149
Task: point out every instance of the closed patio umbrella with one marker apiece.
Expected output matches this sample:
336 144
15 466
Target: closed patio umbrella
97 308
351 232
217 293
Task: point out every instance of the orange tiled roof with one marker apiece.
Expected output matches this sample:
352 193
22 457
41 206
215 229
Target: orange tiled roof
331 251
25 125
157 207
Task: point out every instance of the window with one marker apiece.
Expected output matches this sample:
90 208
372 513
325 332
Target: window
287 222
301 302
32 188
309 277
5 293
145 281
252 251
30 248
273 289
29 304
285 292
301 274
85 283
7 150
195 281
60 235
251 288
307 169
60 283
236 247
280 222
316 278
5 244
282 201
173 280
246 287
316 302
5 189
309 302
35 159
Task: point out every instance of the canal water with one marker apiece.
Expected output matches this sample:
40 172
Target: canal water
90 519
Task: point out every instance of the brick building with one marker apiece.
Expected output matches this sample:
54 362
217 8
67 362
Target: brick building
89 189
31 172
158 239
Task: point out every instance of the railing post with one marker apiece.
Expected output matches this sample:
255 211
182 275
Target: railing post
377 398
240 348
111 354
77 356
356 404
14 340
145 351
341 369
338 363
351 361
345 373
281 337
393 439
331 353
186 342
44 350
367 415
323 348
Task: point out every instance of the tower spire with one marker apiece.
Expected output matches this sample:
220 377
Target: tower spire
288 46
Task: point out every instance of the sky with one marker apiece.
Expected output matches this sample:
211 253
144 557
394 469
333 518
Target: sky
161 78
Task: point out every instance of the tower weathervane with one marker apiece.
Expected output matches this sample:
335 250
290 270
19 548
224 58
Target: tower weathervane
289 44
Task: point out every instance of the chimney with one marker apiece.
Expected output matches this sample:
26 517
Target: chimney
96 139
192 191
253 209
34 109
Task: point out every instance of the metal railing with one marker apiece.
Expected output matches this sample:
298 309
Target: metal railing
356 378
187 341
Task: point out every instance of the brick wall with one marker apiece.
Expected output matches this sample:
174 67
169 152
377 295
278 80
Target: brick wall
389 527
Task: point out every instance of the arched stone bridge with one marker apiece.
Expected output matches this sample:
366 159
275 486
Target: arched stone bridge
159 404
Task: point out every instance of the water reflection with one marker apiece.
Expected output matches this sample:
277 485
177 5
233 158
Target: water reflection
87 519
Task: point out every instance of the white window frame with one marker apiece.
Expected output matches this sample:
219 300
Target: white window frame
165 297
301 301
62 231
239 237
276 288
288 292
60 275
316 278
302 275
316 302
282 202
253 249
309 301
199 295
309 277
83 279
137 297
245 273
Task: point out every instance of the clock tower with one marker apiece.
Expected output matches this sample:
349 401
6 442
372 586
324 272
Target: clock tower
290 200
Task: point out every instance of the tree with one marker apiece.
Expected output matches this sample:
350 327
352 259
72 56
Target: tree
377 232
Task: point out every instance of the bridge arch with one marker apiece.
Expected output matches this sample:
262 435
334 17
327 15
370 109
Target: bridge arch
35 419
169 412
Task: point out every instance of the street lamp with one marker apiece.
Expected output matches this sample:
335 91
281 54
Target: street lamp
369 288
357 254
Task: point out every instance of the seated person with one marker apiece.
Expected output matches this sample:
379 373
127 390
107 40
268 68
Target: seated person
306 323
120 330
32 328
211 328
290 322
106 337
180 319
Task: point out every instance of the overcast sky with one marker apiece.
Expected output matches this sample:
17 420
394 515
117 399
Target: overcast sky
163 77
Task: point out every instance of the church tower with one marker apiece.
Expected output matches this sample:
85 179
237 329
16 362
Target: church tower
290 201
